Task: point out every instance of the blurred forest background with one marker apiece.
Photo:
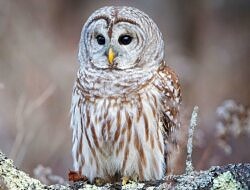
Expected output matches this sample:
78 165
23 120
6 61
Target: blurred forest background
207 44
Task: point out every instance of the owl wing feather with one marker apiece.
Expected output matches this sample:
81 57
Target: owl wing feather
168 83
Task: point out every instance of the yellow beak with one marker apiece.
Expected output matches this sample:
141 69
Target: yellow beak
111 56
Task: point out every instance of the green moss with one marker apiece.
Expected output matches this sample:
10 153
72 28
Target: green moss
16 179
226 181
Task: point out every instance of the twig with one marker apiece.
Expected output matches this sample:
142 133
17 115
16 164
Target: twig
32 106
24 136
20 128
193 124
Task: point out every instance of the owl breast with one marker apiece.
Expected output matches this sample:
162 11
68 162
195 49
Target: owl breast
118 135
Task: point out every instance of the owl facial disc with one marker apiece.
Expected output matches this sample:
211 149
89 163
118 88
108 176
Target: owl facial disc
120 38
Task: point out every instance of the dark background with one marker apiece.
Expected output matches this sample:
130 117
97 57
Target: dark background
207 44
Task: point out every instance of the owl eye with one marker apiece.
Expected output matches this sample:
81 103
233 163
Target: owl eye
125 39
100 39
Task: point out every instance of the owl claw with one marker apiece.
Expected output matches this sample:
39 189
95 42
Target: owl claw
76 176
99 181
125 180
135 177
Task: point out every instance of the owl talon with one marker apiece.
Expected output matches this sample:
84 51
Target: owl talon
99 181
135 178
125 180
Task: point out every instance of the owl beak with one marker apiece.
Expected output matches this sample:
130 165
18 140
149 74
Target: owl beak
111 56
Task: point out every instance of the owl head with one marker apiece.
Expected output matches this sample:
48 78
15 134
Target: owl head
120 38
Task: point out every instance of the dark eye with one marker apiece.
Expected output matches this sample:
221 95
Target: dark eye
100 39
125 39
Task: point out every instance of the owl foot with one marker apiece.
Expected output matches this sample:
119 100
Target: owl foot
76 176
99 181
127 179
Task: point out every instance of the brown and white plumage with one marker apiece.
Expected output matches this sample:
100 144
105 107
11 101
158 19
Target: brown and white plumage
124 110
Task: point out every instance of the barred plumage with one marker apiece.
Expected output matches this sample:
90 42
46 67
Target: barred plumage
123 110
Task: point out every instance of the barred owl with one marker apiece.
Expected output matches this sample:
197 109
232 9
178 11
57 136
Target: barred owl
125 103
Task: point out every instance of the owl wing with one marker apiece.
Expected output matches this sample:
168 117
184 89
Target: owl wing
168 84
